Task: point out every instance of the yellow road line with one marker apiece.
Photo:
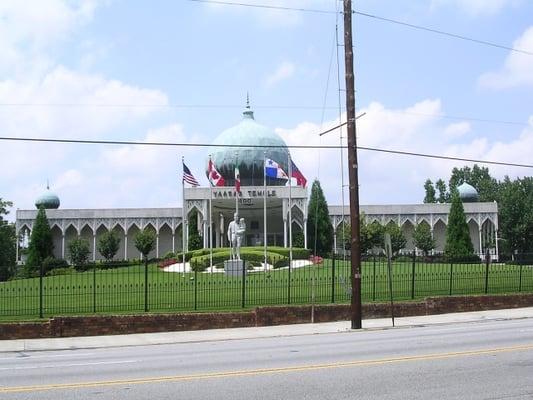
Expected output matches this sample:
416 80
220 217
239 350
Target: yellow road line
252 372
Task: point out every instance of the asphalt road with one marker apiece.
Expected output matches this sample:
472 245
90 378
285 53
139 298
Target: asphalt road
482 360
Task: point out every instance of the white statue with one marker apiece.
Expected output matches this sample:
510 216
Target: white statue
236 230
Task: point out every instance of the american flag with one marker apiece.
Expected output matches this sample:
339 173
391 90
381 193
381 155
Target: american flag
188 177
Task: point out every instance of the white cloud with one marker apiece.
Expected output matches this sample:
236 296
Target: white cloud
477 8
28 31
517 69
388 178
272 18
66 89
284 71
457 130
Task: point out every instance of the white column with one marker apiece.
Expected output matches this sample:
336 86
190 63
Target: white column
305 233
173 242
157 246
284 232
63 246
126 246
217 231
94 246
480 247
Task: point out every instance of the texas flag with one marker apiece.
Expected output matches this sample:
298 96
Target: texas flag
214 176
295 173
273 170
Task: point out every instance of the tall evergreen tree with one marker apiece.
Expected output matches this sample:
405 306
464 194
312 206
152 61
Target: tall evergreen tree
41 244
319 227
7 243
458 243
430 192
195 240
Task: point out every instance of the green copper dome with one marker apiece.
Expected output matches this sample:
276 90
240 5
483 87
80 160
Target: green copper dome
467 193
249 160
47 200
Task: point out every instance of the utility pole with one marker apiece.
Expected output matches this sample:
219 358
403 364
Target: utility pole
355 248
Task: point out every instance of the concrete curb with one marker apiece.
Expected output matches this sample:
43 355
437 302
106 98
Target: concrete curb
147 339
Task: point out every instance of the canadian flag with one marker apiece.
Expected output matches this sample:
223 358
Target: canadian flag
214 176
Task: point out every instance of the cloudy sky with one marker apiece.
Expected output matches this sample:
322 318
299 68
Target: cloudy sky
178 71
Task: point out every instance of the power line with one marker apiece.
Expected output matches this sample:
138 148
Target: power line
284 8
264 107
176 144
373 16
453 35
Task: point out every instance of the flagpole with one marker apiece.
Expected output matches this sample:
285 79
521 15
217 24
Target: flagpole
290 211
236 193
264 211
210 222
183 223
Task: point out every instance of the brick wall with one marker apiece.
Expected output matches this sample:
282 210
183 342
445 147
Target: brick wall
262 316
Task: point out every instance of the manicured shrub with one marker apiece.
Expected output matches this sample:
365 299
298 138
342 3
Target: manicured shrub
61 271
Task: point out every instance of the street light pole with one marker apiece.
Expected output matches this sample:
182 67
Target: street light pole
355 259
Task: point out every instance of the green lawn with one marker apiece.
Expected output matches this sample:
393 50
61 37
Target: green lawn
123 290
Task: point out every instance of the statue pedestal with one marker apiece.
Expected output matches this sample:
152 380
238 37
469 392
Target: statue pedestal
233 267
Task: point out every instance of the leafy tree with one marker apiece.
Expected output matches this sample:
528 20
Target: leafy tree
458 243
344 235
479 178
397 238
108 245
443 194
79 251
319 227
516 214
145 242
422 238
195 240
430 192
7 244
41 244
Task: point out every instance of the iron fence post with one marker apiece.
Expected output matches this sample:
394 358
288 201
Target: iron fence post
195 288
145 284
451 277
487 262
94 289
41 314
243 298
333 280
289 285
520 275
413 276
374 278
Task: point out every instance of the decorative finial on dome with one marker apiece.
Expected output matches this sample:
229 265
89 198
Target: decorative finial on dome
47 184
248 113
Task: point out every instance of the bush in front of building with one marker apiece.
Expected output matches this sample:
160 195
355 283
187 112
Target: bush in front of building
201 263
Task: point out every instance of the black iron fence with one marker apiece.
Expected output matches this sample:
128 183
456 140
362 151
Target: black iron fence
137 288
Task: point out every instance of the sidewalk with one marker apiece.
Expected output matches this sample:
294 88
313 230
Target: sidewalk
249 333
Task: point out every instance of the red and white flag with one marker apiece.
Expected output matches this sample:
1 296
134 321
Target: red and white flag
214 176
237 180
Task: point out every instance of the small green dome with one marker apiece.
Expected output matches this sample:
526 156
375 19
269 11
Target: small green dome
467 193
249 160
48 200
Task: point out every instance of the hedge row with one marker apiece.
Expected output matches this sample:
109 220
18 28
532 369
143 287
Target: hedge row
202 262
297 253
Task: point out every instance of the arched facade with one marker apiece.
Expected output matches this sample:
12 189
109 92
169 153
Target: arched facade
482 219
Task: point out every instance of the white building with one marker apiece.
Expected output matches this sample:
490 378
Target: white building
90 224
